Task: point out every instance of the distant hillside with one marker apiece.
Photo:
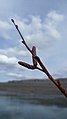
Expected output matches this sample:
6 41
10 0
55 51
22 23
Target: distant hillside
35 87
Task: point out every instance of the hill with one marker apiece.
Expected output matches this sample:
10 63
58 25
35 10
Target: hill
33 87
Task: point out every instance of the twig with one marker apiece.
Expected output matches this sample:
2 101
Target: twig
35 60
23 40
50 77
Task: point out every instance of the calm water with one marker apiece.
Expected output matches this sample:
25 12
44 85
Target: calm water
16 108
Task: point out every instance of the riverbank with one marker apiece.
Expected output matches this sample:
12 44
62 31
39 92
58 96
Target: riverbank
40 91
34 87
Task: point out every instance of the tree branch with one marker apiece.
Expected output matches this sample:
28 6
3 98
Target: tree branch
23 40
35 60
50 77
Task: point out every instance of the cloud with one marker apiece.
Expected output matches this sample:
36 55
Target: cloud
54 16
36 31
5 28
52 22
39 32
7 63
9 67
7 60
14 75
32 31
13 52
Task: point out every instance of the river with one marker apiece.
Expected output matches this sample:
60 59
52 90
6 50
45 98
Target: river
13 107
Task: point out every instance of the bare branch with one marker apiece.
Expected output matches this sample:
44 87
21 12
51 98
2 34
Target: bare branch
51 78
23 40
37 59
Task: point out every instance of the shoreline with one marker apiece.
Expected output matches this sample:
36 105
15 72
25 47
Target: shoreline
54 100
41 91
34 87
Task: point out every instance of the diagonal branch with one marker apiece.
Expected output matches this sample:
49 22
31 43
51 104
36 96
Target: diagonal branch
23 40
35 60
50 77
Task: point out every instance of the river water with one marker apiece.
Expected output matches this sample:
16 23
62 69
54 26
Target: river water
19 108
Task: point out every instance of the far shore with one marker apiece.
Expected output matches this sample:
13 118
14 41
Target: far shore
42 88
42 91
34 87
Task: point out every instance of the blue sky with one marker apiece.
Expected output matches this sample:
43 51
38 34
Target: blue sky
43 24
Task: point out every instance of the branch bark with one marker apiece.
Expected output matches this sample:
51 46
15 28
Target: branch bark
36 60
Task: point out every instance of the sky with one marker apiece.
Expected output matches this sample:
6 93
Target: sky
43 24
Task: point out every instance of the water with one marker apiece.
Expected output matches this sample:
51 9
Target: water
18 108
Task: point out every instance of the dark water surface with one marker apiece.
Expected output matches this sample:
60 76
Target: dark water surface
19 108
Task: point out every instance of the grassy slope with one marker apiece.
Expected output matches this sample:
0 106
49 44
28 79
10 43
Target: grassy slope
37 87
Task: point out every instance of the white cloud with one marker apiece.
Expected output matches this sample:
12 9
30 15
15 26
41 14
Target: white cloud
5 28
5 25
32 31
9 67
54 16
13 52
14 75
38 32
7 60
35 30
52 23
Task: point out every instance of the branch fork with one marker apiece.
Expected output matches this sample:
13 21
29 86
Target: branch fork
37 60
